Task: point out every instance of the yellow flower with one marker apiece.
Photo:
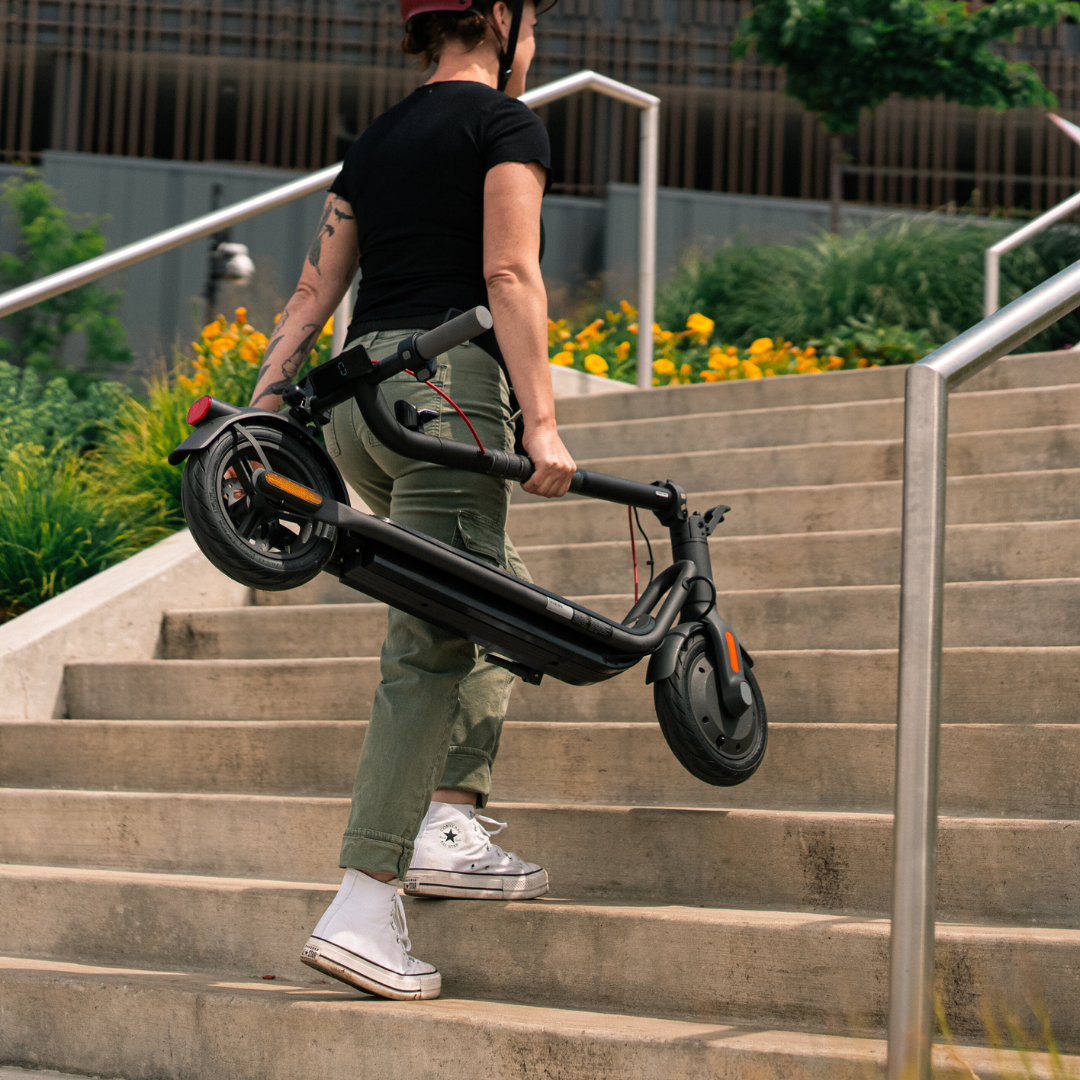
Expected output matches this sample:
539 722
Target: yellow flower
211 330
750 370
685 370
328 329
591 331
596 365
863 362
627 310
611 316
260 341
222 345
701 325
663 367
241 315
768 372
563 359
722 358
622 350
632 328
250 353
762 345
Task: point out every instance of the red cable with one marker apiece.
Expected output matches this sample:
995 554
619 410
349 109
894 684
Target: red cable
454 404
633 548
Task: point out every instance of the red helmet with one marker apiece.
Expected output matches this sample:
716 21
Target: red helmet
409 8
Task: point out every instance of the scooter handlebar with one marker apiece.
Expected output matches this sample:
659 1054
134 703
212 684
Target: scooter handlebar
453 333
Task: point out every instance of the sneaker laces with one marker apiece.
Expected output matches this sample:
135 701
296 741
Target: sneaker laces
483 830
397 921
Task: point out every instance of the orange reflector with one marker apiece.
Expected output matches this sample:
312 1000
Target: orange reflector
732 651
291 487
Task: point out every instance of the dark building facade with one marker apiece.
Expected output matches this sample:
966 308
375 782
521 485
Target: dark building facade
291 83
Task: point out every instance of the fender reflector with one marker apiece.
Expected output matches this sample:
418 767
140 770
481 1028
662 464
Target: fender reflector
197 413
732 651
291 487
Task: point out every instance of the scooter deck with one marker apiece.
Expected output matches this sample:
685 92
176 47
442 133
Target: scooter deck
538 632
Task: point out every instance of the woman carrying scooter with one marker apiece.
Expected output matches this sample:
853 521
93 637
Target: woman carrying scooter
438 206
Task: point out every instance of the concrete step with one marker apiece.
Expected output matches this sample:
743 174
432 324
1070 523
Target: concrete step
157 1024
1034 369
1003 869
976 613
818 767
1017 450
849 421
1006 552
1046 495
798 969
980 685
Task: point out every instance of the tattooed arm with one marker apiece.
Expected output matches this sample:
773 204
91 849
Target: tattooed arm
331 264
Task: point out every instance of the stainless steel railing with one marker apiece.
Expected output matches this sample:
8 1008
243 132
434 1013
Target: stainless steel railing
926 423
648 104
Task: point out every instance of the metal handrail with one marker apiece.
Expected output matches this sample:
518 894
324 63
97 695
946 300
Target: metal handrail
82 274
992 256
911 976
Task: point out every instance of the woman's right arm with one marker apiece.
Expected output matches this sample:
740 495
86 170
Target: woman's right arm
512 194
331 264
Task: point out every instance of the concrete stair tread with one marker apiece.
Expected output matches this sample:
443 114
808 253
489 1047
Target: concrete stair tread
763 966
843 767
303 1030
1041 494
1008 373
804 423
803 685
1035 612
1003 869
974 453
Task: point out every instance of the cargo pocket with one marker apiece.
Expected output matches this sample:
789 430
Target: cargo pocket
481 536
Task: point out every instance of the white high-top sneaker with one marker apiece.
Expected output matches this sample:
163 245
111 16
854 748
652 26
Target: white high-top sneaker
363 941
454 857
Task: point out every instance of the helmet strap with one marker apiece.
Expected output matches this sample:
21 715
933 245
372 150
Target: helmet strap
506 56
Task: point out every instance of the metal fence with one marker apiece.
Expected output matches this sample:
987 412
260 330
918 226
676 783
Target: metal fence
291 83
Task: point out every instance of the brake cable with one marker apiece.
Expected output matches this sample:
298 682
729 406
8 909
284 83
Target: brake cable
454 405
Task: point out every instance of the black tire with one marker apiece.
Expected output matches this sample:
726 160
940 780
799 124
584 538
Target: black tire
707 740
256 545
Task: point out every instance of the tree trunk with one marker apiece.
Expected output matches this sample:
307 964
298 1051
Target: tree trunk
836 182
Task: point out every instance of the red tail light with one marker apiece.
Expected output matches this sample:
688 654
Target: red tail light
197 413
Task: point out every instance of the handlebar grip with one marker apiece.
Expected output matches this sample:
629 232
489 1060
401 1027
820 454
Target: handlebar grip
453 333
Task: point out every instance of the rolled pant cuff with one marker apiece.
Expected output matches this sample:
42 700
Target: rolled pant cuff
469 769
376 853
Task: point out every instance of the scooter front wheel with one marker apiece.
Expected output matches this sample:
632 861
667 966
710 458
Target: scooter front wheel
251 541
709 742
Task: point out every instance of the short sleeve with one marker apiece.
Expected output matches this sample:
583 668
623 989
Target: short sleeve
515 133
342 185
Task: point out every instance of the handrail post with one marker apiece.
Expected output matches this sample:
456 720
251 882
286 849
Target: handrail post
649 155
991 277
911 967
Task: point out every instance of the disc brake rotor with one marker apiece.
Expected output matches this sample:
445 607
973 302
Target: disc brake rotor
735 738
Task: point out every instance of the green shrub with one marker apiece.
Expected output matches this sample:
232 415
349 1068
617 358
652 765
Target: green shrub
51 239
917 275
56 529
49 415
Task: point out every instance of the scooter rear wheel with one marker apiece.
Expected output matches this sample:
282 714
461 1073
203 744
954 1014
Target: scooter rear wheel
708 741
252 542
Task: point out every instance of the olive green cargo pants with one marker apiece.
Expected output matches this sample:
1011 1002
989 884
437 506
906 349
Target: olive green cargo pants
439 707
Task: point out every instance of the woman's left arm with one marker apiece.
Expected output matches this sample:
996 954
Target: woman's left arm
331 264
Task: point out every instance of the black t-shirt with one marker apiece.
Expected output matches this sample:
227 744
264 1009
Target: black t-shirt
415 181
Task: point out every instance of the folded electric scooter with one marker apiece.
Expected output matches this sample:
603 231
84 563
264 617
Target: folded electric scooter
268 507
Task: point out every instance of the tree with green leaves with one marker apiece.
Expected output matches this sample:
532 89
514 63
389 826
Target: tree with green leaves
843 56
51 239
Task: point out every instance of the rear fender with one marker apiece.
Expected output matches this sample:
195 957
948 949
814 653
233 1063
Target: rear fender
205 434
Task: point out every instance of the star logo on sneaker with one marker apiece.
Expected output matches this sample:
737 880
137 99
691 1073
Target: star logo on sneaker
450 837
